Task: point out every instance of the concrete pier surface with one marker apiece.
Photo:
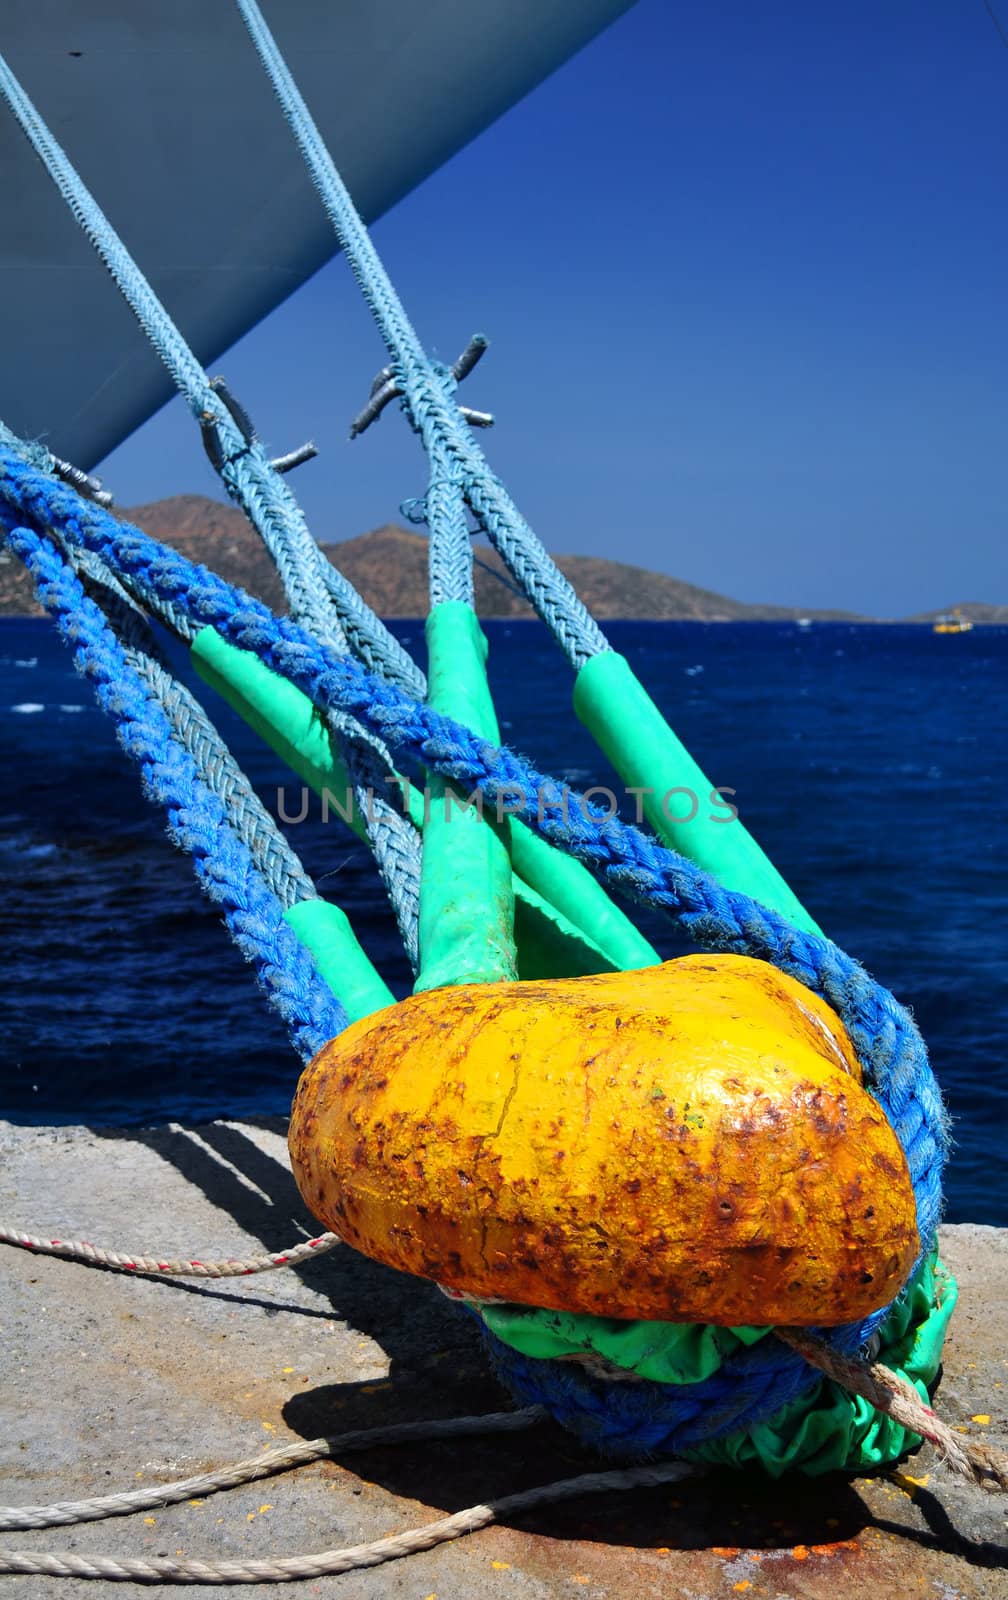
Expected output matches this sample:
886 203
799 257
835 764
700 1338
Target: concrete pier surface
109 1382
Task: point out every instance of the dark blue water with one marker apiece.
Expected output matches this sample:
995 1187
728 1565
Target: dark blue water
871 762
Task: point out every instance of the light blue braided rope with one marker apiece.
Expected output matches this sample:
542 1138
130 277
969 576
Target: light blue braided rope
217 768
761 1379
34 452
883 1034
430 408
392 835
197 819
245 470
450 553
322 600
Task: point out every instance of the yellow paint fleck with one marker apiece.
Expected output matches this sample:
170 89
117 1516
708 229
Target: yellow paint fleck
197 1502
151 1522
921 1483
270 1427
742 1585
286 1369
430 1597
908 1484
663 1550
263 1509
982 1418
501 1566
250 1517
139 1474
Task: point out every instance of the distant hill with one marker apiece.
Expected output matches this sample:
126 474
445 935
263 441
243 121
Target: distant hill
974 610
389 567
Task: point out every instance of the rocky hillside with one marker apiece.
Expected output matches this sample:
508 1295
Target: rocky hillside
973 610
389 567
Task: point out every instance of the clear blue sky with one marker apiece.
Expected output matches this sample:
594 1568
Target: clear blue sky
744 272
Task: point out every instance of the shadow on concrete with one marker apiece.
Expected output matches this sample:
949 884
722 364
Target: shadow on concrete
943 1535
434 1348
438 1368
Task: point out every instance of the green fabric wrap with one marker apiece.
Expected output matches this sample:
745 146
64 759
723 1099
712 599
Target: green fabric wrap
466 902
832 1430
341 962
823 1431
282 716
628 727
549 945
570 887
664 1352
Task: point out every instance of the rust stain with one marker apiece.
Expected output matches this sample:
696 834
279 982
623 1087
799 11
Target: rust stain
727 1166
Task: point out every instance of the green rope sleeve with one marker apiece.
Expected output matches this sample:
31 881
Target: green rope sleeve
570 887
628 727
550 945
341 962
466 901
286 720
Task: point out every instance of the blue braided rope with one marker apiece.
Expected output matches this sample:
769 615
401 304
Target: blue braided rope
324 601
429 406
885 1037
761 1378
197 819
393 837
272 854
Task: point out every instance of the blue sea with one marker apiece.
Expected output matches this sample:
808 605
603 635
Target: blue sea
870 761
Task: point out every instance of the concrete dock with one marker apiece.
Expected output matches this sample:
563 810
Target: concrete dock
109 1382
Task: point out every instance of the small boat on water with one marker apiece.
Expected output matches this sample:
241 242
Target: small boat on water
952 622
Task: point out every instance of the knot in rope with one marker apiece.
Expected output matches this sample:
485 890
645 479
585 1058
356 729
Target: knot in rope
411 382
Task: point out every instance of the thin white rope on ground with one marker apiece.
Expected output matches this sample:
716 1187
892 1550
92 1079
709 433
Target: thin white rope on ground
158 1266
354 1557
270 1462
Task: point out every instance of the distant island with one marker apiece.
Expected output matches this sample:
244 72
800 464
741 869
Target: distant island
389 568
